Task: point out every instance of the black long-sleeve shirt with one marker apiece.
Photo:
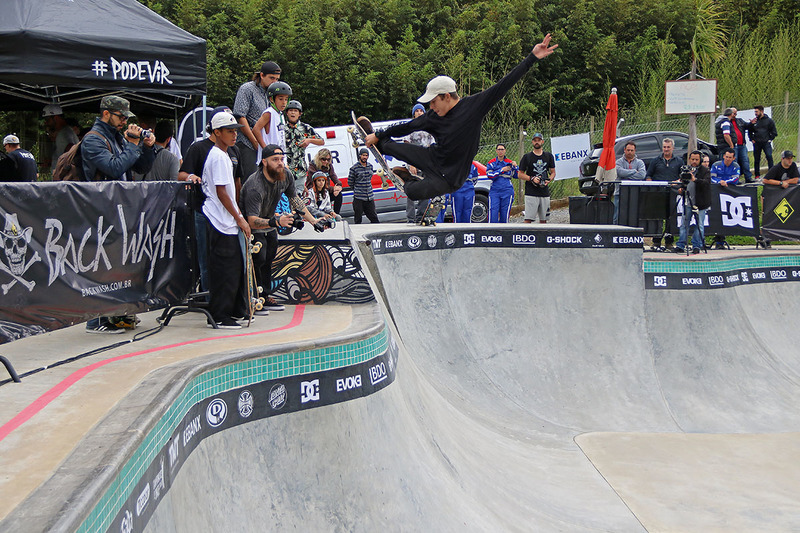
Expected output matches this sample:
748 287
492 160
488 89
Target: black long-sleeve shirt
458 133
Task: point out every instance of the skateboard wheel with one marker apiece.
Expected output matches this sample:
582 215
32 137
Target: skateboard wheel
256 247
259 306
351 129
380 172
260 289
384 186
261 301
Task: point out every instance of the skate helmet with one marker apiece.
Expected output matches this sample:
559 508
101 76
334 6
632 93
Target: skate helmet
279 87
294 104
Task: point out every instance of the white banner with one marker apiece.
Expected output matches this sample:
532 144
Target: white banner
568 152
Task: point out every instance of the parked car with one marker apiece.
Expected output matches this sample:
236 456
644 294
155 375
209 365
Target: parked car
390 204
648 147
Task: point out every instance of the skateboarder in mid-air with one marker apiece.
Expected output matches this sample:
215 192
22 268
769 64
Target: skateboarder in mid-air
455 123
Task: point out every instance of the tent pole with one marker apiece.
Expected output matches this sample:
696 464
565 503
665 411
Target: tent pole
205 120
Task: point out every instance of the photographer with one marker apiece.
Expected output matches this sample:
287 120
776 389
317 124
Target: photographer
695 186
107 154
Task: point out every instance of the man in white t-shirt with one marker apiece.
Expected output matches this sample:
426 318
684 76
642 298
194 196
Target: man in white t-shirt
63 135
269 129
225 221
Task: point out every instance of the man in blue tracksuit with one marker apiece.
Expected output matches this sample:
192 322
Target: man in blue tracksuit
464 198
725 172
500 170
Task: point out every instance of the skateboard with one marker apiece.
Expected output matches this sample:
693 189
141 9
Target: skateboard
435 206
255 302
359 136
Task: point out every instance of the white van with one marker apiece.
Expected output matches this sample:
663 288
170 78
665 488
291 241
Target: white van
390 203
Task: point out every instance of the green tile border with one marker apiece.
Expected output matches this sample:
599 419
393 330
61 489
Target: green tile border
211 383
722 265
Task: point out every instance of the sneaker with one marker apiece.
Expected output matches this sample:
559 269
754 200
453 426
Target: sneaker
226 323
404 174
262 312
365 124
107 328
271 304
241 318
768 245
695 251
719 245
678 250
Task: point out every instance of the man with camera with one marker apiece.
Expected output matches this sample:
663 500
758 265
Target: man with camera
109 155
695 186
259 199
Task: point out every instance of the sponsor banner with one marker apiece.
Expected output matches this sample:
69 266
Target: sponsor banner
721 280
73 251
245 404
733 211
506 238
781 219
568 152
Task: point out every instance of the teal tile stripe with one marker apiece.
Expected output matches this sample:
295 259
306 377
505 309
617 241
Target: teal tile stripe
216 381
725 265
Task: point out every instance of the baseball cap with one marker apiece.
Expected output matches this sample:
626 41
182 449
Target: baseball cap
223 119
438 85
51 110
270 67
537 134
218 109
270 150
116 103
11 139
787 154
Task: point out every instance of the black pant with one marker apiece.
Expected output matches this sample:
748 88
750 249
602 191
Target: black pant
263 259
434 184
225 274
337 202
757 149
366 207
247 161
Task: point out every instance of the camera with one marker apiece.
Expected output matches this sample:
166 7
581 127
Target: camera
686 174
323 224
296 224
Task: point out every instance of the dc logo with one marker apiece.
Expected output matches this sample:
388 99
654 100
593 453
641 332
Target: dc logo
469 238
744 277
309 391
736 211
414 242
245 404
216 412
659 281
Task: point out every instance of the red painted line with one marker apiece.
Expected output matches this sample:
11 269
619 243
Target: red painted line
45 399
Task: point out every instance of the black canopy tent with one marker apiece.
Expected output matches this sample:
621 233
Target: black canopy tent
73 52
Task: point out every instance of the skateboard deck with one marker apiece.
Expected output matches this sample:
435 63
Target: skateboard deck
255 302
435 206
386 174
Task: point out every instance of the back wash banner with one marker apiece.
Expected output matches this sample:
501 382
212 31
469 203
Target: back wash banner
73 251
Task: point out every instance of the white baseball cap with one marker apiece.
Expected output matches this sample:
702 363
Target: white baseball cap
438 85
224 120
51 110
11 139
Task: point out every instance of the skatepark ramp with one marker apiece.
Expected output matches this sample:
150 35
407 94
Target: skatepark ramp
508 378
540 387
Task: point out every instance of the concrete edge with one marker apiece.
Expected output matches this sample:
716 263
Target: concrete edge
78 484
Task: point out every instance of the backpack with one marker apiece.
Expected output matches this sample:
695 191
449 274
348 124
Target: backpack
69 166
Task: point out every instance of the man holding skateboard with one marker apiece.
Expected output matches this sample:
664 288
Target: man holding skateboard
259 197
455 123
